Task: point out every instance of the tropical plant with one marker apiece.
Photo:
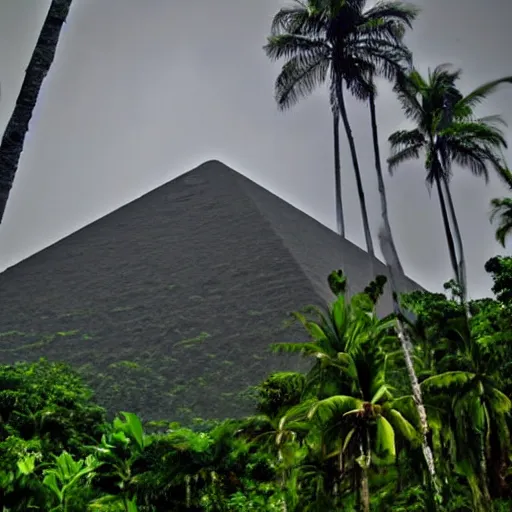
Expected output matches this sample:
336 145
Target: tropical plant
478 410
66 477
346 43
118 452
344 435
457 137
13 139
403 335
352 401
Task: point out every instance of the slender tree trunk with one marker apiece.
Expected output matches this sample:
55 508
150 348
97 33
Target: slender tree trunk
484 473
340 221
460 245
339 479
407 351
447 229
38 67
381 186
355 163
365 482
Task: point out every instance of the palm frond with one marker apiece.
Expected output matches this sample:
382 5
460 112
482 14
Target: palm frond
286 46
383 392
408 88
476 149
405 145
334 406
502 208
492 120
396 11
447 381
299 18
482 92
385 439
305 349
299 77
504 174
411 153
480 132
500 402
402 425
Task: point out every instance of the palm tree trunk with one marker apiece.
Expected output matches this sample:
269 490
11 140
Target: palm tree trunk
407 350
340 221
380 181
355 163
38 67
365 482
447 229
460 245
484 472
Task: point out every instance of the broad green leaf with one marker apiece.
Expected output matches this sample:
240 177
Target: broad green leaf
382 392
316 332
339 315
27 465
500 402
403 426
50 480
66 466
448 381
385 439
306 349
131 506
334 406
134 428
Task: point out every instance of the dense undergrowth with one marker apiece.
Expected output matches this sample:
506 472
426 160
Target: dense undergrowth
344 436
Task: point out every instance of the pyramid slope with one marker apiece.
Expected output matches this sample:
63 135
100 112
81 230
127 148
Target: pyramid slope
317 249
168 304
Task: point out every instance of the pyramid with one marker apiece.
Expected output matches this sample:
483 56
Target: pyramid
167 305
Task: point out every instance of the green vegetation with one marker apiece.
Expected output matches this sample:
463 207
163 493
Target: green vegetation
345 435
190 342
411 412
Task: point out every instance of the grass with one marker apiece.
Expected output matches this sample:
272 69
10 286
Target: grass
12 333
44 341
192 341
129 365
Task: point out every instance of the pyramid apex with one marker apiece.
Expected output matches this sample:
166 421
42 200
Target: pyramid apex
212 162
207 167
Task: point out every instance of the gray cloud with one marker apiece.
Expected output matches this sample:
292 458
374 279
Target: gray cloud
143 91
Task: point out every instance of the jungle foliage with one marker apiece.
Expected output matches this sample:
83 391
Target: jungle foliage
344 436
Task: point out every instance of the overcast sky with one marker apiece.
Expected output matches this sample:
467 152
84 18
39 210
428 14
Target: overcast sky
143 90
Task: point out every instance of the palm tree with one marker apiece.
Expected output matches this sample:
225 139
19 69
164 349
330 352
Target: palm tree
342 41
478 409
462 139
352 404
11 146
346 391
502 209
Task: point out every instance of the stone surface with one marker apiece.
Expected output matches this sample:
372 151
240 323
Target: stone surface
167 305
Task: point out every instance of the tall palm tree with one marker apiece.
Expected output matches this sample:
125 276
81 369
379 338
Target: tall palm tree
13 139
470 142
342 41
